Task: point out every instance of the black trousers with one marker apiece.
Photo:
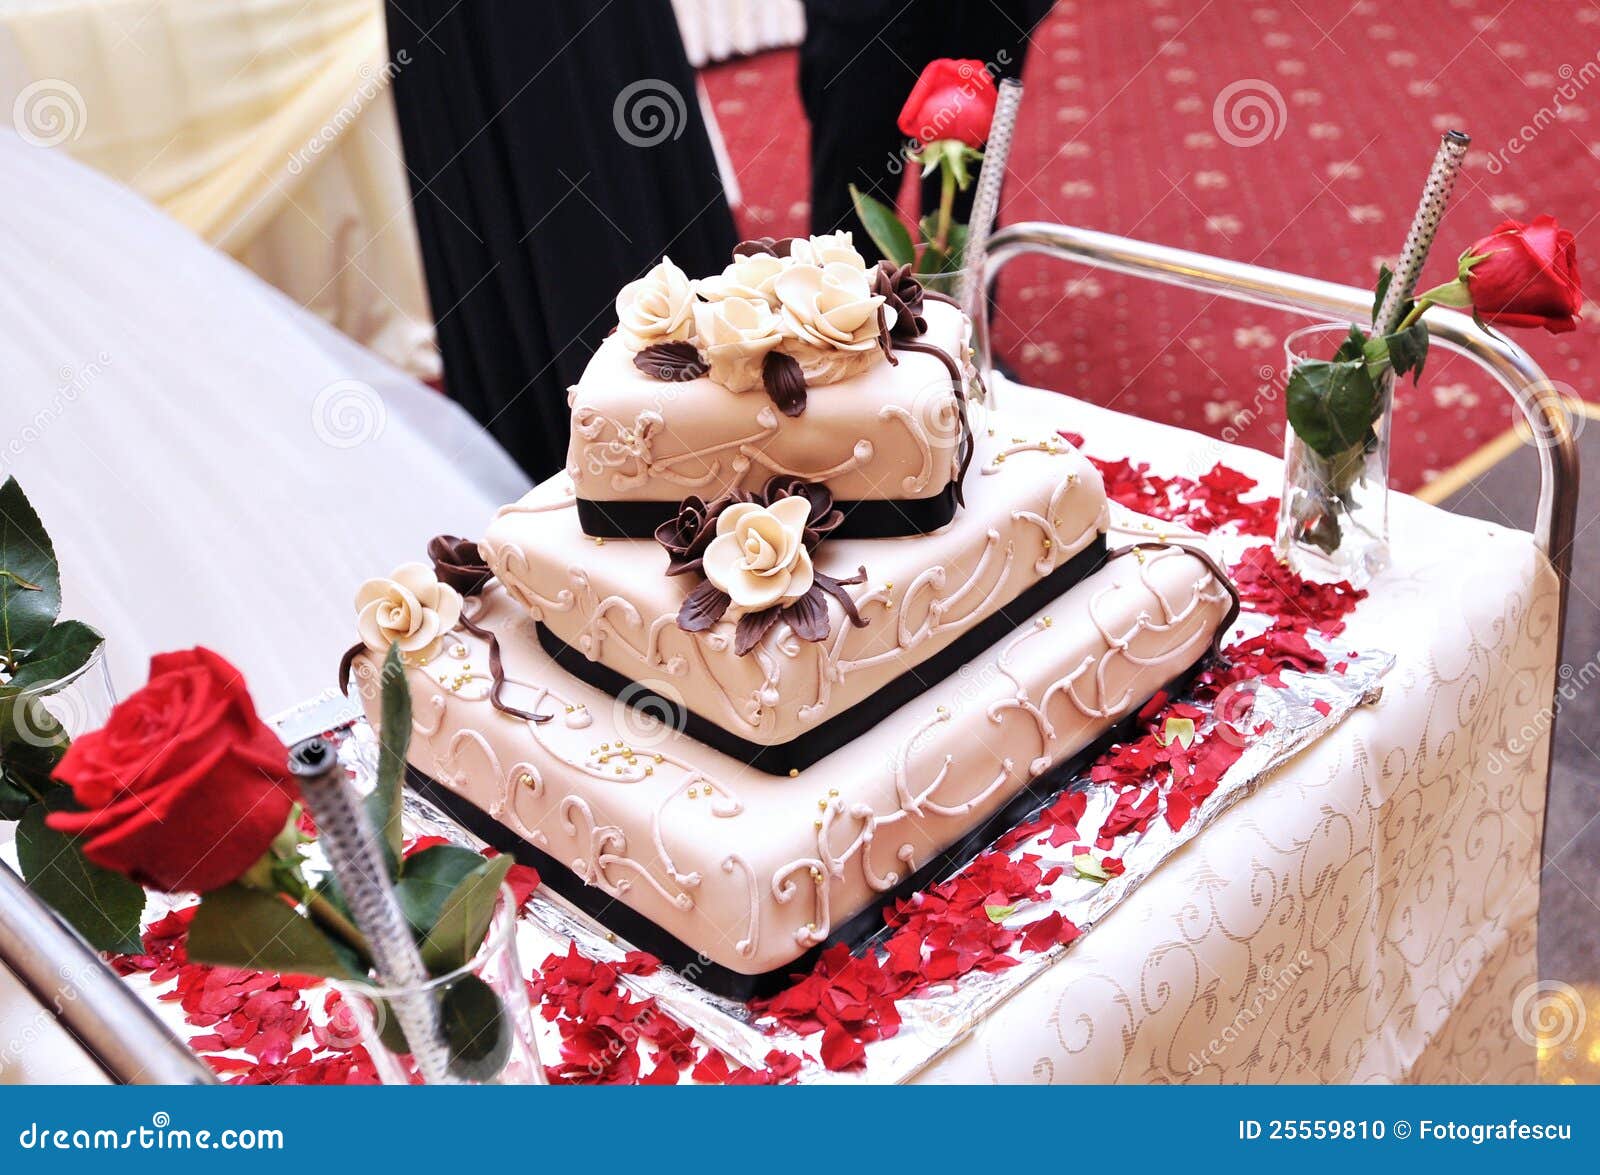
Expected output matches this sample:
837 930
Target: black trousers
858 63
556 152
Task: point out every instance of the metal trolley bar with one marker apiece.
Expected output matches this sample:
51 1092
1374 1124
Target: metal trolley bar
1555 522
106 1016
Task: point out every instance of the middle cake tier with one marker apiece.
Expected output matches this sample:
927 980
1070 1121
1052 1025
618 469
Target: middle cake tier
609 612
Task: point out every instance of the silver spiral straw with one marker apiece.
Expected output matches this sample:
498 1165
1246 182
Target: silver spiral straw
986 201
1424 225
350 843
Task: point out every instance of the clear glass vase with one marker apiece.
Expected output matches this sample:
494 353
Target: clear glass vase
1333 522
483 1009
51 711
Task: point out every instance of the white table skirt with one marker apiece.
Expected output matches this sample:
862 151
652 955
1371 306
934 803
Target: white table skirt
1368 915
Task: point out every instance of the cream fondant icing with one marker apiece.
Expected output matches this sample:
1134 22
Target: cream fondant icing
1035 504
892 430
749 869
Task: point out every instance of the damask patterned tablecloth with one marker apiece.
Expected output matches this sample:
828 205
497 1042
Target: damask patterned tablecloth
1369 914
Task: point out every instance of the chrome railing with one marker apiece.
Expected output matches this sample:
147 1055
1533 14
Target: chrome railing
1555 519
106 1016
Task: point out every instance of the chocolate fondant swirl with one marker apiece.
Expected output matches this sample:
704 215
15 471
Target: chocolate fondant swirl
903 294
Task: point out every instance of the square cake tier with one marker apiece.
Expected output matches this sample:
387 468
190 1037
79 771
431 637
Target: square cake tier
1036 510
890 434
731 873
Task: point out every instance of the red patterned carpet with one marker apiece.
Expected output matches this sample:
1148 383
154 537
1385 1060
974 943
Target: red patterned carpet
1123 130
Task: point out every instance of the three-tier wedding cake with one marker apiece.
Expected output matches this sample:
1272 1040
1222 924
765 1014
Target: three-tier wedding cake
789 636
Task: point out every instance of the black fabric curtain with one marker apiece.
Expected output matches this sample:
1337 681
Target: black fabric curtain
556 151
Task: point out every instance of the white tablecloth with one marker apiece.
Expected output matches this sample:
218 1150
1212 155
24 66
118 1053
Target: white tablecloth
1367 915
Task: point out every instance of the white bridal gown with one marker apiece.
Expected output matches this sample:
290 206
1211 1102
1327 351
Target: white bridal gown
215 465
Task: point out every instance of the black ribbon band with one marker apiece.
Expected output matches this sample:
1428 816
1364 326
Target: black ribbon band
827 737
638 931
879 518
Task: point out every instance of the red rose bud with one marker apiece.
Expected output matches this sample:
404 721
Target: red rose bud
1525 275
951 100
185 787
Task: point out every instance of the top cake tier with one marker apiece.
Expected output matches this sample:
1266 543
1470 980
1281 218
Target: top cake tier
802 361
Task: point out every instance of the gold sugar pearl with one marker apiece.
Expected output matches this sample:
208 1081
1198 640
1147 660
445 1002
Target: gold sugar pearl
694 793
1048 621
822 805
817 824
649 770
794 772
599 542
659 757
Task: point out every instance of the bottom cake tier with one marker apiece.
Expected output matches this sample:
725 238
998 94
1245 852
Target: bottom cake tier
732 874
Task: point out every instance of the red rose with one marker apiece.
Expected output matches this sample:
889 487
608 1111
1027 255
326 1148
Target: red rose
185 787
1528 276
951 100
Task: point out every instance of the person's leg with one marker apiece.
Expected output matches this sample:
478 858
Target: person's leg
852 84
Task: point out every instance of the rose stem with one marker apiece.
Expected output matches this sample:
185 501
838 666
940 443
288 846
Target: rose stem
1424 226
351 845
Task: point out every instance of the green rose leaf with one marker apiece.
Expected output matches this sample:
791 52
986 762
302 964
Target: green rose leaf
61 652
999 913
1408 350
30 583
1385 276
429 878
394 738
1331 405
475 1029
884 226
457 933
100 904
239 927
25 768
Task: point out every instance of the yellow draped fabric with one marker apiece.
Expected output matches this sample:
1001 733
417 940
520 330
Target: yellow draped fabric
266 126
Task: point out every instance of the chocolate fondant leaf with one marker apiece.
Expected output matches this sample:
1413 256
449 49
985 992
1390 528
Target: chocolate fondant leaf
835 588
752 627
777 247
808 615
674 362
458 562
785 382
703 607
